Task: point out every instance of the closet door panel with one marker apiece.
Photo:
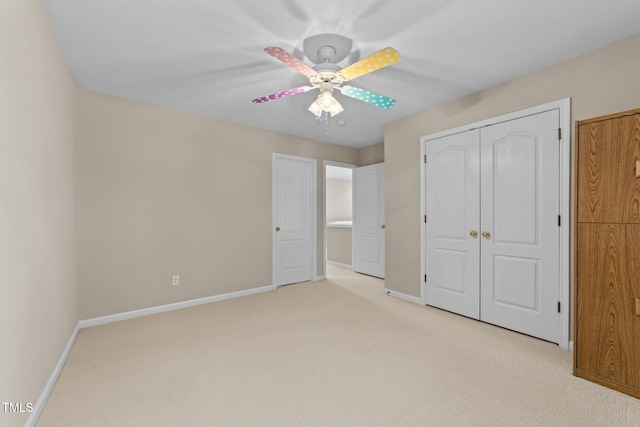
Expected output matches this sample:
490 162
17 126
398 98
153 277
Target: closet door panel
607 317
608 155
452 238
519 213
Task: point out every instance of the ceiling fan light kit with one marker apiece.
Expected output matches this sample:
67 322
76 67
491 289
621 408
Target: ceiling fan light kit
326 103
326 50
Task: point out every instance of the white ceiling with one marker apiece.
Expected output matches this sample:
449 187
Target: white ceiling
207 56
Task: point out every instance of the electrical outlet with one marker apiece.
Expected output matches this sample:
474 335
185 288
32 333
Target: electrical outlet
175 281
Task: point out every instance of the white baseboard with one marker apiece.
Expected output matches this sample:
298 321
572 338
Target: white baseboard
404 296
168 307
48 388
339 264
318 278
570 345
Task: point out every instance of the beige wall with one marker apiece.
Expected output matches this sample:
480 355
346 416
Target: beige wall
371 155
38 302
339 245
601 82
163 192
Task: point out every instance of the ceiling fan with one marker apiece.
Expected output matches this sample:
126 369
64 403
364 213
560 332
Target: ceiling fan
326 50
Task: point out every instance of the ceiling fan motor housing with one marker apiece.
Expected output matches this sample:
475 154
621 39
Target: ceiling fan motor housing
327 48
326 54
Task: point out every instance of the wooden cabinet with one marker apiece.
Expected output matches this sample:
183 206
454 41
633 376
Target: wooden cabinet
607 288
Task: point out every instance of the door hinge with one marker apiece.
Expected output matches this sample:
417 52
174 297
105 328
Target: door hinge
558 306
425 278
559 221
425 218
425 159
559 134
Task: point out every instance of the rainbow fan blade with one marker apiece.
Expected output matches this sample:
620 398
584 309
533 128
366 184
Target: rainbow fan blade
383 58
282 94
369 97
290 60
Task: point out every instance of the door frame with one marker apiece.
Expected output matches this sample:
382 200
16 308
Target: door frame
564 108
351 166
312 204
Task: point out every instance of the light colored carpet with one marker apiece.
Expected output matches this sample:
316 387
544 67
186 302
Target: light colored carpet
333 353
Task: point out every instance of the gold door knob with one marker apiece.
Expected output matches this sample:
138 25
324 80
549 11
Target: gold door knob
473 233
382 226
486 234
277 228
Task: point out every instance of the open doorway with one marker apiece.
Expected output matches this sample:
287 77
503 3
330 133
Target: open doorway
338 209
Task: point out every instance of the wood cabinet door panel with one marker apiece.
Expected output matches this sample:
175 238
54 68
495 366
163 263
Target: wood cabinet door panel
608 188
608 328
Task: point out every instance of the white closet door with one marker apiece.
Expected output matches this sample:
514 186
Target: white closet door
452 242
501 181
519 216
368 221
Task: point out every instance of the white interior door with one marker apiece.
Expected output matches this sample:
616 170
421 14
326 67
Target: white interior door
292 219
503 182
452 237
368 220
521 241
